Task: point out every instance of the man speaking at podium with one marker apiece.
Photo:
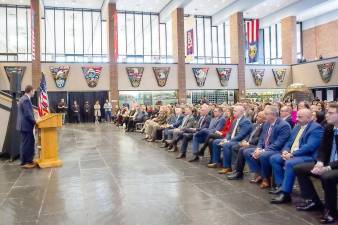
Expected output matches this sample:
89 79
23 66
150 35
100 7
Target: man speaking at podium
25 124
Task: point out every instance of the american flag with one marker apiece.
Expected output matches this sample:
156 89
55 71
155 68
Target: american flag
43 107
252 32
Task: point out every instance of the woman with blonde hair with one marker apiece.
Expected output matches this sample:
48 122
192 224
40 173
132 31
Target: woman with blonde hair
97 111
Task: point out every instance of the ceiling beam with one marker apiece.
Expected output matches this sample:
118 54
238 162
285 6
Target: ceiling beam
165 13
237 6
291 10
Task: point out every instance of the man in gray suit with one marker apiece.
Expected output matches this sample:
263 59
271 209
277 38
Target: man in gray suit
25 124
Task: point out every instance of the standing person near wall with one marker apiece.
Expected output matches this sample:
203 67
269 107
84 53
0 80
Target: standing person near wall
86 112
62 108
76 112
97 111
107 110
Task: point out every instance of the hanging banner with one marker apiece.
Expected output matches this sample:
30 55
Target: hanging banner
325 71
257 75
189 26
161 75
14 70
279 75
223 75
92 75
60 75
135 75
252 33
200 75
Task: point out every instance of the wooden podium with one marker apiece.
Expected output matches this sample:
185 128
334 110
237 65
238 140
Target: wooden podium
48 140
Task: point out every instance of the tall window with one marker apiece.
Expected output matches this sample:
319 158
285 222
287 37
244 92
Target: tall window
211 43
299 40
15 30
142 38
73 35
273 44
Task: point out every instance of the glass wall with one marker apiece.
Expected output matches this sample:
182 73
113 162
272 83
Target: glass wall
73 35
273 44
15 30
299 40
212 43
143 39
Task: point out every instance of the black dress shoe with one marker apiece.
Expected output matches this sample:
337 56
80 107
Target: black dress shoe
170 147
309 205
327 217
281 198
194 159
180 156
235 176
275 191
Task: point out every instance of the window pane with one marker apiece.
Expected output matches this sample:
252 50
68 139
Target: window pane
69 41
279 40
147 35
227 41
273 42
138 34
267 45
214 44
11 21
104 38
97 32
78 32
49 17
200 37
169 38
22 30
155 35
130 34
221 40
163 45
88 35
3 30
59 32
121 33
207 31
299 39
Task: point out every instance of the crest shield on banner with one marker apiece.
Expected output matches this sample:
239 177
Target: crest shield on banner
257 75
92 75
161 75
325 71
223 75
279 75
200 75
135 75
60 75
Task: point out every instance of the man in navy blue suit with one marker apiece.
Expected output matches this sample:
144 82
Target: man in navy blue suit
240 128
216 123
301 147
25 124
275 134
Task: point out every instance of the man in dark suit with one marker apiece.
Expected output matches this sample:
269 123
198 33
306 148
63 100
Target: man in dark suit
325 169
285 114
241 127
216 124
275 134
250 142
301 147
25 124
188 133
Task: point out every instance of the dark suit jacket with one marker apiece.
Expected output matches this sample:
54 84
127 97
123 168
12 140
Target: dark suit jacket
243 129
178 121
255 134
289 121
309 141
25 119
189 122
279 135
205 124
324 150
216 124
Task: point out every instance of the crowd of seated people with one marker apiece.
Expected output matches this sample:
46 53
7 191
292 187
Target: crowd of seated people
279 142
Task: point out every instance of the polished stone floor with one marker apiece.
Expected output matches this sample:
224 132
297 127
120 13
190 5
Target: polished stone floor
112 178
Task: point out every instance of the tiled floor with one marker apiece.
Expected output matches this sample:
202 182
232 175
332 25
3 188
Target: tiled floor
112 178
